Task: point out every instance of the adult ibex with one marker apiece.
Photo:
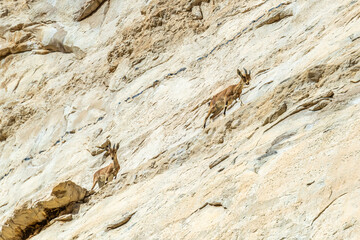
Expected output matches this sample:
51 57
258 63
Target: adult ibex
224 98
108 173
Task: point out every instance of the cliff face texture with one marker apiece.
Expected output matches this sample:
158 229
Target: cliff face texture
284 165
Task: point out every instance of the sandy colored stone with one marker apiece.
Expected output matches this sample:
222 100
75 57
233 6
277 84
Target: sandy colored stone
26 217
142 73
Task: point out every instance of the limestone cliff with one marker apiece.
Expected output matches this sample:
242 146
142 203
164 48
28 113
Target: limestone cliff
284 165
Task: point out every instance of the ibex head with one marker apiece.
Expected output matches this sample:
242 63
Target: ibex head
112 151
245 78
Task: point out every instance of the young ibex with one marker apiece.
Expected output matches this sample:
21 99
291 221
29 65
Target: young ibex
224 98
108 173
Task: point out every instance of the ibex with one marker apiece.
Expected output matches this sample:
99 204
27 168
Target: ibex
108 173
224 98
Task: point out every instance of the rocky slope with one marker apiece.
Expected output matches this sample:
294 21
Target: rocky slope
282 166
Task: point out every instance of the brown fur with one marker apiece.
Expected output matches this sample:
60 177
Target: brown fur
224 98
108 173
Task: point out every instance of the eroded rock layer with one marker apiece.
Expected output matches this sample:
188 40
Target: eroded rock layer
30 218
282 165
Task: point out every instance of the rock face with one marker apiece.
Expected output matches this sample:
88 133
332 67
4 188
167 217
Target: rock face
29 219
87 9
282 166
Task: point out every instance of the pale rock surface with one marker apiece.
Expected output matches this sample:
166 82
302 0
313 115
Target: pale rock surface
140 73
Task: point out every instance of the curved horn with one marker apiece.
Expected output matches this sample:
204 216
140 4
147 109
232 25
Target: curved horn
245 72
239 73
